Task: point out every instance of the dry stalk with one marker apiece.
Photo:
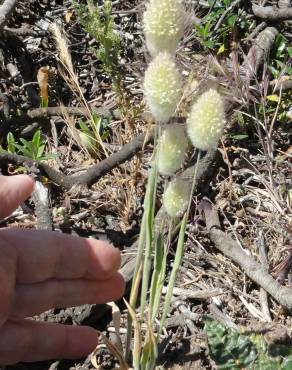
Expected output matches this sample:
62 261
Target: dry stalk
70 77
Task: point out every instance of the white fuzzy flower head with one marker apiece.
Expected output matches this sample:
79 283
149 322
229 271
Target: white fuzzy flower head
162 87
164 25
176 197
172 149
206 120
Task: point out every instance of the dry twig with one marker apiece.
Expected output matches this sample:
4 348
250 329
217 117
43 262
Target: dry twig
260 49
257 272
272 13
89 177
5 11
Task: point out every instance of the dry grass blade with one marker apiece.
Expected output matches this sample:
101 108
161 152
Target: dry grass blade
137 336
70 77
43 77
113 350
116 314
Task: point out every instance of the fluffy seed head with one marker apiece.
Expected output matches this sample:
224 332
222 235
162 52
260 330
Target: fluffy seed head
172 148
206 120
162 87
176 197
62 46
164 25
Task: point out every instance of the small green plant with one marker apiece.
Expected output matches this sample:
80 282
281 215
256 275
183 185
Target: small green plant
280 55
89 132
33 149
234 350
99 23
214 37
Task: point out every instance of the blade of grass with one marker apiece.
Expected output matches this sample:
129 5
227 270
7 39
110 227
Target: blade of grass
179 251
157 277
148 205
133 300
150 212
149 354
176 266
137 337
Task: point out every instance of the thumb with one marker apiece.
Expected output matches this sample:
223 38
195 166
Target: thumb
13 191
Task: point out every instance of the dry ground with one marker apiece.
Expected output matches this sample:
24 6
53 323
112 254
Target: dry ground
249 180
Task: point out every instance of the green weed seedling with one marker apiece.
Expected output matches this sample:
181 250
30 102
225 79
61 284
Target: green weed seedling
280 55
99 23
33 149
231 349
215 38
89 132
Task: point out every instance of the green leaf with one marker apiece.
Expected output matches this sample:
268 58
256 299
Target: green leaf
231 20
280 43
97 119
84 128
22 150
221 49
274 71
239 136
158 276
233 350
37 138
209 44
175 268
40 151
11 143
199 29
44 103
228 348
274 98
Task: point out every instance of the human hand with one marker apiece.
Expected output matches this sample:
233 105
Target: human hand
40 270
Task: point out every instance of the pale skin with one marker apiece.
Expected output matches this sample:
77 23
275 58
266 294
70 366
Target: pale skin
40 270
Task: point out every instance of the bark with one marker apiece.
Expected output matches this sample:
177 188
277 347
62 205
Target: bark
272 13
260 50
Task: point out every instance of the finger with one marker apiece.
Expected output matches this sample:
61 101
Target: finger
13 191
43 255
34 299
28 341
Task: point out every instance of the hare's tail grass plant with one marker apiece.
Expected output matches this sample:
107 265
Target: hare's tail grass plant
164 26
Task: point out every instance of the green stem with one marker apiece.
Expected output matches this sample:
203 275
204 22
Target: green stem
149 205
179 253
150 235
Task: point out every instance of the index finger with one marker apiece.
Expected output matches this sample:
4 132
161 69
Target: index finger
41 255
13 191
